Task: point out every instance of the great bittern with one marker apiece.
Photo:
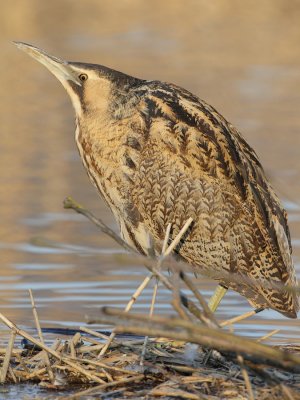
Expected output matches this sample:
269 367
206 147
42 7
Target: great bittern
158 154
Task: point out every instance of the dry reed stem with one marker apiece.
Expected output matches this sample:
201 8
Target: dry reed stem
83 371
7 357
186 302
69 203
166 239
177 239
268 335
94 390
146 281
241 317
94 333
207 311
73 344
12 374
133 299
287 392
89 349
199 334
36 372
107 366
155 289
22 363
246 377
154 294
14 353
72 349
93 341
176 301
38 327
178 394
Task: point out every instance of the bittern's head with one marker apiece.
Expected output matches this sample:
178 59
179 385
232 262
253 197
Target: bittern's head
92 87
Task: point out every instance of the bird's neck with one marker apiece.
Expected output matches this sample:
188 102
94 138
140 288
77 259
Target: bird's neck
102 146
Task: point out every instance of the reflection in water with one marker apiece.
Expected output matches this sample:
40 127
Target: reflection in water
251 75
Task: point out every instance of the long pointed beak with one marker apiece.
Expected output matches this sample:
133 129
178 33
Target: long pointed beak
59 68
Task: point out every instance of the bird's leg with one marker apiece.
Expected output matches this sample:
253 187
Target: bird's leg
216 298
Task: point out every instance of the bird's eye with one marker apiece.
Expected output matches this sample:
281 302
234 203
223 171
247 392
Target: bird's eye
83 77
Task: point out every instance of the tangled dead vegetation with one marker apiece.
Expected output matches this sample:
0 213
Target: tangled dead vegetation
169 369
191 356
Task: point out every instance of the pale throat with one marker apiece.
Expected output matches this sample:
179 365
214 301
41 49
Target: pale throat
98 143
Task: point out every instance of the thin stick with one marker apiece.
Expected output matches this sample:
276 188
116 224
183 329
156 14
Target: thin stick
73 344
177 239
69 203
177 394
94 333
89 349
155 289
36 372
246 377
127 308
209 337
187 303
166 239
38 327
287 391
207 311
168 251
82 371
94 390
176 301
15 352
107 366
7 357
240 317
150 315
11 372
268 335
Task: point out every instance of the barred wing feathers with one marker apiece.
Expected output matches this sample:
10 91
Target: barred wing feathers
195 164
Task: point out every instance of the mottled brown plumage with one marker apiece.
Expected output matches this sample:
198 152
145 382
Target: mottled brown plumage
157 155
